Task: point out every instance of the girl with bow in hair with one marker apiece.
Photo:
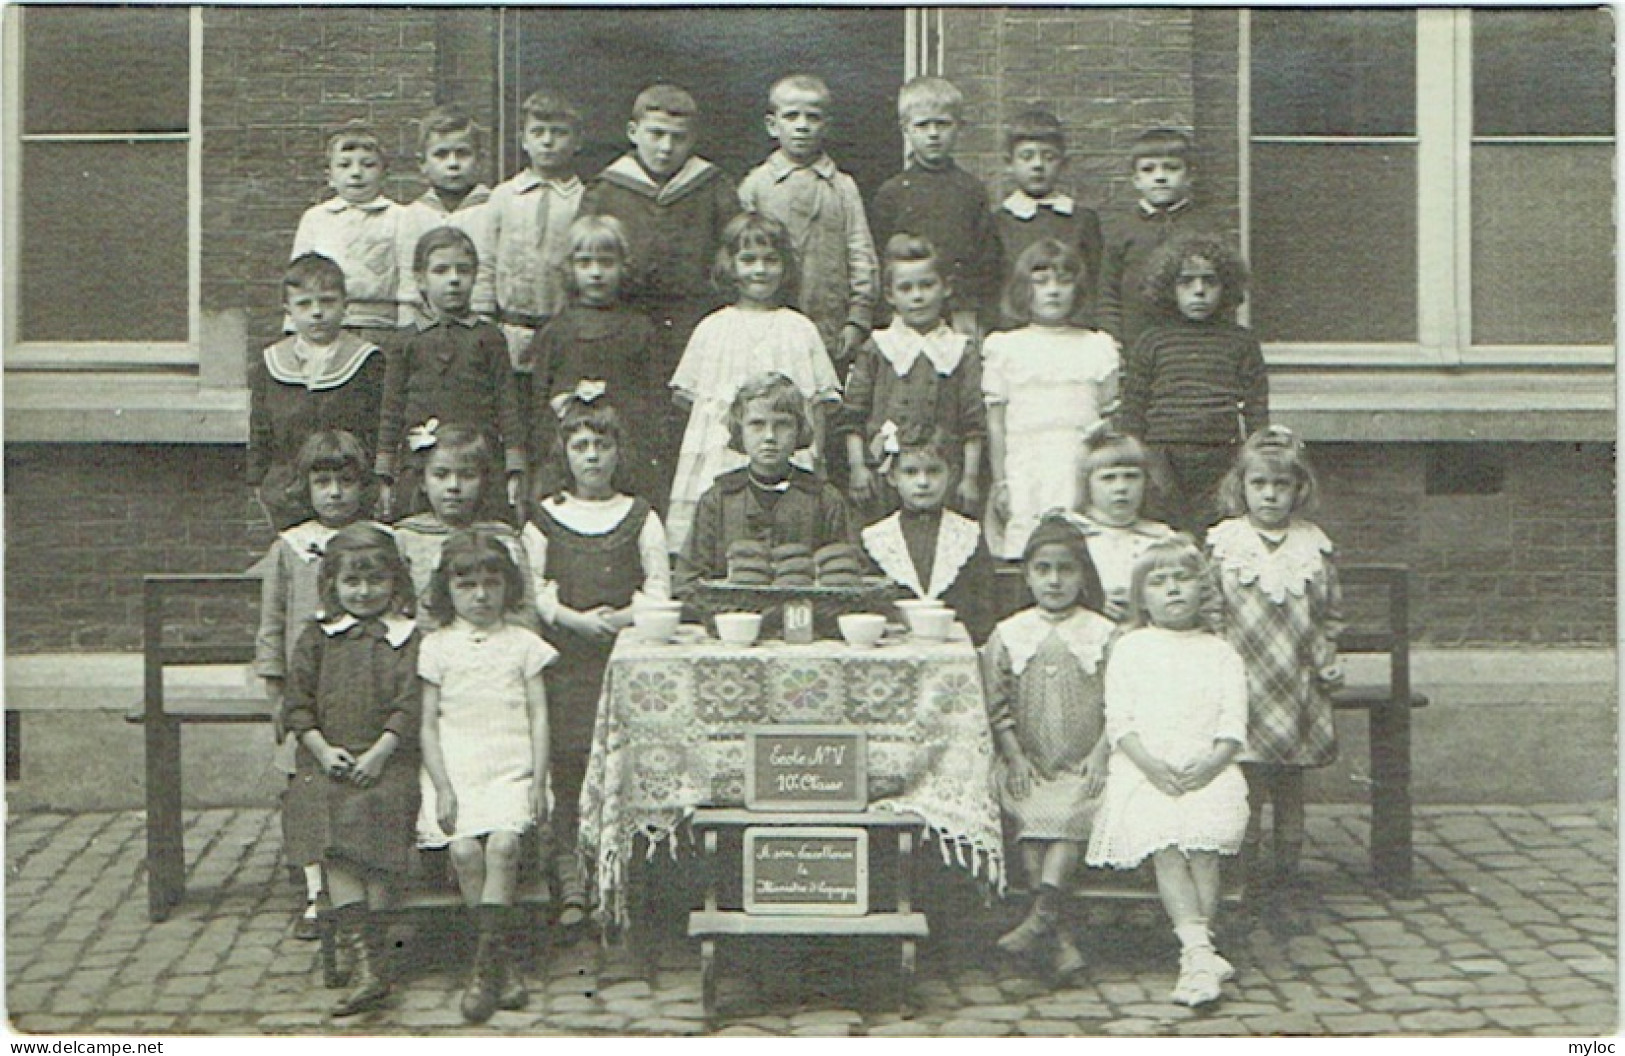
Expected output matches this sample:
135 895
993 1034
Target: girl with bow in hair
600 551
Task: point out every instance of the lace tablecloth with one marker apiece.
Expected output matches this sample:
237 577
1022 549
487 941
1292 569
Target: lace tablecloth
671 737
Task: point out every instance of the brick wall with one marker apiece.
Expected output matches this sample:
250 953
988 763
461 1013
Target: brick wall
84 522
1108 74
1530 563
276 82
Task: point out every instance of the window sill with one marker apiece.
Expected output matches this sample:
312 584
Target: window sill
1446 405
121 408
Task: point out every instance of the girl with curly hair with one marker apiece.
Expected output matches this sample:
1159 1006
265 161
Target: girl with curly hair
1194 385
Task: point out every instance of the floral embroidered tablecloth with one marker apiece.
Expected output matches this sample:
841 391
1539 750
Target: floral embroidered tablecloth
671 737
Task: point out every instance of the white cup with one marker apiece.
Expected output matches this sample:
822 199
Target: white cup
861 629
738 628
929 624
656 624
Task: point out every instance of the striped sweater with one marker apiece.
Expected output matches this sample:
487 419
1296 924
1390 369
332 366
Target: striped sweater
1183 382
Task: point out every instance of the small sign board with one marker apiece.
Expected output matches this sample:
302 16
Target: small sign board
806 768
807 871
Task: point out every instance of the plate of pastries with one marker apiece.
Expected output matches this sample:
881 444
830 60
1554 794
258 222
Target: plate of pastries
795 566
762 577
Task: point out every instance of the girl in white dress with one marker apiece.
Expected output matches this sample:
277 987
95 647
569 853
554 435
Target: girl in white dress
756 266
1044 386
1176 717
485 747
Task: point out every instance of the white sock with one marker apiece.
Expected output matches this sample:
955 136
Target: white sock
1193 935
313 882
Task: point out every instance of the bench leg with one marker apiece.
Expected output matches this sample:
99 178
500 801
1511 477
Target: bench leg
14 745
166 851
708 981
1391 797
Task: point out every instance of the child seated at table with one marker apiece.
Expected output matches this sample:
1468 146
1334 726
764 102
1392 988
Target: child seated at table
930 551
767 500
1044 673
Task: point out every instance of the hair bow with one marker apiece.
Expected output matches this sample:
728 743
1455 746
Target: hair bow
889 443
586 391
422 437
1098 433
1276 436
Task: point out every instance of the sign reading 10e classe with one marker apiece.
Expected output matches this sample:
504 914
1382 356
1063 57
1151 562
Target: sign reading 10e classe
806 768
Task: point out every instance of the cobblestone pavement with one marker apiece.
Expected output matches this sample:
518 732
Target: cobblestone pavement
1512 931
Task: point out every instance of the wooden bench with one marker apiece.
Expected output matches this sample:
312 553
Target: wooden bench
163 715
1378 626
163 711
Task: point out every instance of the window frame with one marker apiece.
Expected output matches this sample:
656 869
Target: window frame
55 355
1443 142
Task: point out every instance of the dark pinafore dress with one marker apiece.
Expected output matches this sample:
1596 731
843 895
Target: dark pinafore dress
590 570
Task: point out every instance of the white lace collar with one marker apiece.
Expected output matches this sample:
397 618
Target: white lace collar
1085 634
308 540
1024 206
901 346
957 537
397 629
1287 569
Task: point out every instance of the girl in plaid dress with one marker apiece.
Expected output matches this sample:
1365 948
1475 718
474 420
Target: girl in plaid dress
1283 612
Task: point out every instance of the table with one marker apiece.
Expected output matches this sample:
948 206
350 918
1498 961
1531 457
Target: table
671 732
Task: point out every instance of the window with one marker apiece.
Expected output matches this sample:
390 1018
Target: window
103 196
1430 186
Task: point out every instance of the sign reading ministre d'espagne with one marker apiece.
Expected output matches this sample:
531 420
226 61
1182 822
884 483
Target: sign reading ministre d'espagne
810 768
805 871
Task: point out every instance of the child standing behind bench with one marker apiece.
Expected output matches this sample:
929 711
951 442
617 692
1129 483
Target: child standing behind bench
335 487
674 207
1035 150
800 187
1194 384
320 377
452 369
1283 613
1161 166
599 550
939 201
353 706
450 157
360 229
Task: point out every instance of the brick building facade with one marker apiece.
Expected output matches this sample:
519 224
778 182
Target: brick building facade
1491 475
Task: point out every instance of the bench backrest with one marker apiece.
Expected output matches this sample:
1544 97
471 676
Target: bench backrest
1376 624
210 590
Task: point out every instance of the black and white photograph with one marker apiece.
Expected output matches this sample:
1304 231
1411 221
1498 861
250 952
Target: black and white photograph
809 521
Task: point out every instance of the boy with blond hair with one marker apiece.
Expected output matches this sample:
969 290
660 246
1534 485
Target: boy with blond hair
359 229
800 187
450 157
939 201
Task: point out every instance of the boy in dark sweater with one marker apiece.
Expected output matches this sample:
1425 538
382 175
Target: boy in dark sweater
939 201
1194 382
1161 164
1035 148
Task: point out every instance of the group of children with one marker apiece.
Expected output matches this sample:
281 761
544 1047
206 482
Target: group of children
560 397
